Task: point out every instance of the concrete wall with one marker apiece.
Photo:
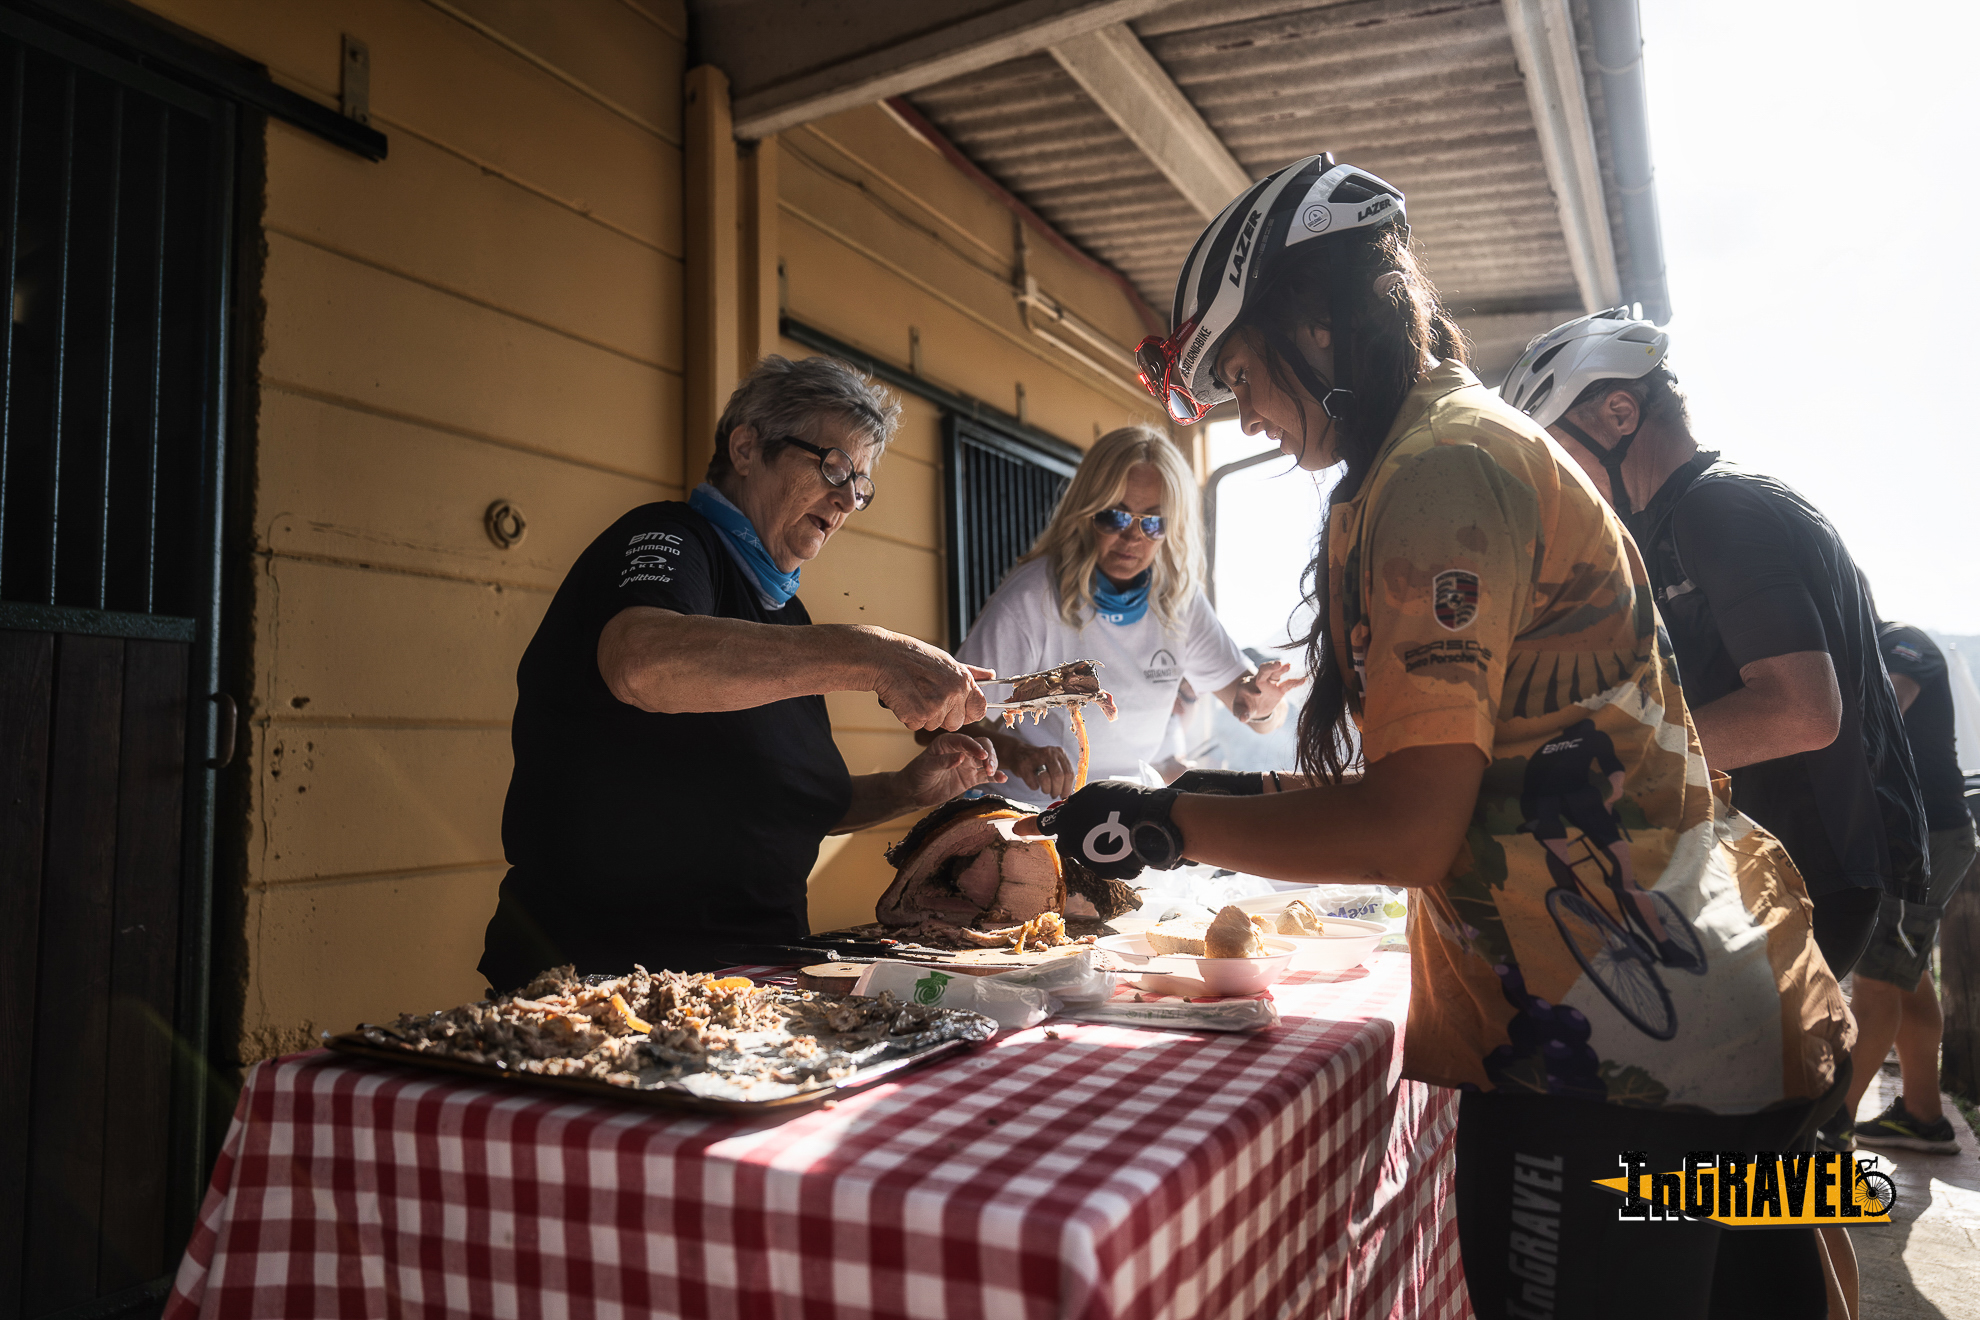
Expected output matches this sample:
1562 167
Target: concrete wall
500 311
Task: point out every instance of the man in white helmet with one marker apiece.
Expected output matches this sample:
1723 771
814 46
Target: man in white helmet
1773 629
1774 632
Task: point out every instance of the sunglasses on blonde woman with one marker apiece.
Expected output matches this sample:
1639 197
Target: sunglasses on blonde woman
1117 520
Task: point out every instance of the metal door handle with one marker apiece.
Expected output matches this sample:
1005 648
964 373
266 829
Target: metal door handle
229 720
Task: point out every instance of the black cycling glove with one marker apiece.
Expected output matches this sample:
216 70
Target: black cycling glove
1230 783
1117 829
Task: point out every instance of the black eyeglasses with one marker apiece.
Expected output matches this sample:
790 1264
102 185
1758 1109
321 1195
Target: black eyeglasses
836 466
1117 520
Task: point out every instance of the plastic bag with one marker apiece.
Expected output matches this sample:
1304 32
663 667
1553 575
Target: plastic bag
1250 1014
1023 997
1072 980
1386 906
1194 892
1008 1005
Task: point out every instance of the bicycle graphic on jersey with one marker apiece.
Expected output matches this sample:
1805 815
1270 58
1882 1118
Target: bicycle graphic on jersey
1620 944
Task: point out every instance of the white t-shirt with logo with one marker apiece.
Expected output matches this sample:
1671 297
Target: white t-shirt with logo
1143 663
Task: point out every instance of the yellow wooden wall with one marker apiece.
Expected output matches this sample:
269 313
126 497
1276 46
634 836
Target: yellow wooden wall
493 312
878 234
497 312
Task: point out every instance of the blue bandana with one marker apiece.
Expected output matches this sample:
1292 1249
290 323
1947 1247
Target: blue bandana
1121 606
774 587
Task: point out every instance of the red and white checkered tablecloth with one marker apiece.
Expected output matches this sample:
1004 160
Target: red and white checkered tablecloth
1109 1173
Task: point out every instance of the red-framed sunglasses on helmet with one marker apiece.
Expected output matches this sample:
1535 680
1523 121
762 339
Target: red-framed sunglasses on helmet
1156 358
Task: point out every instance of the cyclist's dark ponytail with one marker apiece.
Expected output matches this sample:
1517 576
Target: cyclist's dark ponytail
1383 329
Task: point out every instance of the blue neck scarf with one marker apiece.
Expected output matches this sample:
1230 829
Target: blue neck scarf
1123 605
774 587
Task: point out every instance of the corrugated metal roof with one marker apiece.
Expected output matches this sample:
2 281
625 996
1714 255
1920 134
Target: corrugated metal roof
1423 92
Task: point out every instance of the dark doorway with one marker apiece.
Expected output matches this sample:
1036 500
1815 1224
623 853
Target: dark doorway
115 218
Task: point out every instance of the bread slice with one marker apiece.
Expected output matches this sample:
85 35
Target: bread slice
1232 935
1299 919
1184 937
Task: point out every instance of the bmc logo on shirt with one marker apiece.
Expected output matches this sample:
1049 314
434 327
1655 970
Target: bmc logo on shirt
1162 668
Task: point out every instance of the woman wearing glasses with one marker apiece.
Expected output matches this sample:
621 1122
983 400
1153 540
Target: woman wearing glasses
1485 640
1117 576
674 763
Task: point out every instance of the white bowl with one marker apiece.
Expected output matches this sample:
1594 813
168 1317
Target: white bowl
1268 905
1347 943
1223 976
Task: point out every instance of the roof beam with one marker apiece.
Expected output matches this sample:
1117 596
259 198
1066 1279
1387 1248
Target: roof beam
1117 71
780 84
1550 62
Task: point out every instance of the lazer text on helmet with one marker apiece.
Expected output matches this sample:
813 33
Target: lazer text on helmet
1243 249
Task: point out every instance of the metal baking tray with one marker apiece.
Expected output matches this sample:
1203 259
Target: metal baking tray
669 1095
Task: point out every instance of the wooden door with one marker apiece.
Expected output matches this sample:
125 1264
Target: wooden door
115 215
93 796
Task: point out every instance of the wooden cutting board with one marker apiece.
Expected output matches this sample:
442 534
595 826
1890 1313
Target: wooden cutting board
829 978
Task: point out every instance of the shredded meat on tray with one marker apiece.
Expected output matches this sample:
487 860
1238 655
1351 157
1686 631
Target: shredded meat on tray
562 1026
653 1028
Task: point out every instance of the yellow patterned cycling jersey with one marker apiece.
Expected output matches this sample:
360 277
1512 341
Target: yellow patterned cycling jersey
1611 929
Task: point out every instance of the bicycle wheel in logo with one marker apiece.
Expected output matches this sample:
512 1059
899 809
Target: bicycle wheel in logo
1878 1187
1615 962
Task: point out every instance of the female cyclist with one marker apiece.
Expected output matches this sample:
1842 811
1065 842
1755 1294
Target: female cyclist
1484 629
1117 576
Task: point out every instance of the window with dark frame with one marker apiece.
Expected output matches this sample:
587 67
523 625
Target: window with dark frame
1001 490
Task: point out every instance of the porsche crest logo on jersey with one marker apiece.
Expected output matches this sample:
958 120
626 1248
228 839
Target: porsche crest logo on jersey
1455 598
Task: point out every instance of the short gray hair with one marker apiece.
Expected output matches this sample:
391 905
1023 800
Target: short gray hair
780 397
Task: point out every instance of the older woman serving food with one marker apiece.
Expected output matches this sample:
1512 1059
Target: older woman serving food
675 770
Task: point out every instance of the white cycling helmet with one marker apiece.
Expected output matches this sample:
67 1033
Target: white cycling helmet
1230 261
1557 366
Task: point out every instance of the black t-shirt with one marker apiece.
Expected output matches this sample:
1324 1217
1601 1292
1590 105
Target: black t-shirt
1929 722
631 831
1745 569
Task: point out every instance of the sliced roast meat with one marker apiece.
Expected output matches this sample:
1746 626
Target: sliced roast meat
969 869
1094 897
1072 684
1077 678
956 808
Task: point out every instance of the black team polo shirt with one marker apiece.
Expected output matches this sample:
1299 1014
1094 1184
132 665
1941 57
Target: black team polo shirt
636 837
1745 569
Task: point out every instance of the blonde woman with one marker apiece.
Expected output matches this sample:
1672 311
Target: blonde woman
1117 576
